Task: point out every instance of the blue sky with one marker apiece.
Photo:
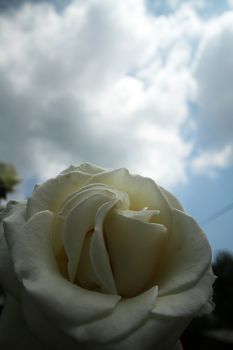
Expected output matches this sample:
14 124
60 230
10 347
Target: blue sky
145 85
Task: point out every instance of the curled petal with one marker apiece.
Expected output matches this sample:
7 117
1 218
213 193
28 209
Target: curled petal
79 214
79 222
84 193
149 194
98 252
144 215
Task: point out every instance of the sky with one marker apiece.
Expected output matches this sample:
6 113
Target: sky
141 84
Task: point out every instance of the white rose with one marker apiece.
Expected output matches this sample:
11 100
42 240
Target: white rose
101 260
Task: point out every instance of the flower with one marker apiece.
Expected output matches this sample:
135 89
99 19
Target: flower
105 260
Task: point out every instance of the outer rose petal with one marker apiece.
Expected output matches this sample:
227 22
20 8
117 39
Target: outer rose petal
45 329
172 200
126 318
14 330
8 278
143 338
188 255
159 333
189 302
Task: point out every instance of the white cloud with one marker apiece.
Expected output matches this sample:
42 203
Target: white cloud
213 70
83 81
209 162
101 81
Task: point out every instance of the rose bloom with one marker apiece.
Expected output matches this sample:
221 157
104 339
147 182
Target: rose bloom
101 259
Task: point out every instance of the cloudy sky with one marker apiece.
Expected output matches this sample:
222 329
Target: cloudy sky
146 85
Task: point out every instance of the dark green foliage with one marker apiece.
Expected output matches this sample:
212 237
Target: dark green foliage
8 179
214 331
223 290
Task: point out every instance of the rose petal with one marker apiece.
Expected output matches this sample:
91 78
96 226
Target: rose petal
51 194
188 255
75 234
207 308
8 278
124 319
84 193
45 330
86 276
172 200
188 302
68 205
134 247
144 215
87 168
56 234
35 264
155 333
98 253
30 238
13 329
143 192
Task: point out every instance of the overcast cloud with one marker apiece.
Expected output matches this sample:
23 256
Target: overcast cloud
111 83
